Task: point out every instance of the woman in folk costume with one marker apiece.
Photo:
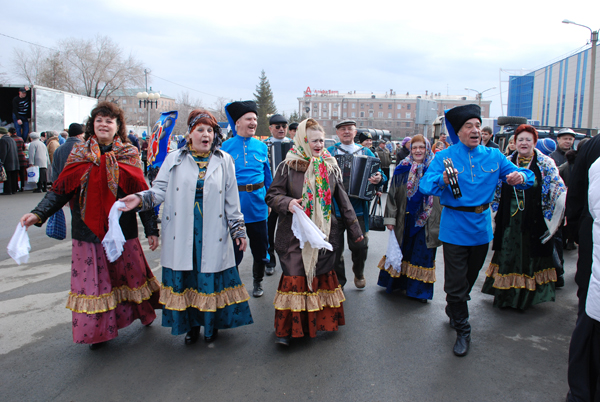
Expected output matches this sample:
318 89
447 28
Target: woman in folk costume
104 296
309 297
202 223
415 220
522 271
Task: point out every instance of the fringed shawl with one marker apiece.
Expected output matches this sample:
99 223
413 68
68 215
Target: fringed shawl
98 176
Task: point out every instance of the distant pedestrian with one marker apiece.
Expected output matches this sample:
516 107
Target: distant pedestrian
62 153
9 158
134 139
386 160
564 139
38 156
23 162
487 138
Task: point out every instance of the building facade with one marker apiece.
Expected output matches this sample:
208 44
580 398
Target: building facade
384 111
557 95
136 115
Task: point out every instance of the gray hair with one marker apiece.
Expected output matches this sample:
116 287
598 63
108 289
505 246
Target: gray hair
51 134
34 135
64 134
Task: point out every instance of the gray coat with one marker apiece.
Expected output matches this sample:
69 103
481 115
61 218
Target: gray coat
60 156
38 154
175 185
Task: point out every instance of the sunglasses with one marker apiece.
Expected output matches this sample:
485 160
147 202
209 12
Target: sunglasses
278 126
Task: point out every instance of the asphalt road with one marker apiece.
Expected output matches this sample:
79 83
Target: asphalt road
391 349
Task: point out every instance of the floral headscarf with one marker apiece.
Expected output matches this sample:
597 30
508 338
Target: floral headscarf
415 173
316 192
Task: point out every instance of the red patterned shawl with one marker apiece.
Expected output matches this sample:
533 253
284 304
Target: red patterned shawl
99 176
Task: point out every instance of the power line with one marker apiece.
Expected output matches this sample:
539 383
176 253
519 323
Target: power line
183 86
31 43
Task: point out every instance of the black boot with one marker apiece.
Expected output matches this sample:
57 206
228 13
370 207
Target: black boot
460 314
449 314
258 290
192 336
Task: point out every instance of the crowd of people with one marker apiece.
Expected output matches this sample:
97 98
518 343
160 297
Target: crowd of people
237 200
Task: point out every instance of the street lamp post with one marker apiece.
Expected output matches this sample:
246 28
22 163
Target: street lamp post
479 93
594 41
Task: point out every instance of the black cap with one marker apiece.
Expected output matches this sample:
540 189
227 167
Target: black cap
75 129
238 109
364 135
293 126
277 119
22 89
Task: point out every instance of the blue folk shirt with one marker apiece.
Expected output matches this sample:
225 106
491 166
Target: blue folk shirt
251 167
479 170
361 207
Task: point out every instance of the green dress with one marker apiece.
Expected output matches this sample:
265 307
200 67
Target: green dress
514 277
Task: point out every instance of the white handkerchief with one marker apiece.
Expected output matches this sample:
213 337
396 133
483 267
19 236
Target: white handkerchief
306 231
393 256
18 247
114 240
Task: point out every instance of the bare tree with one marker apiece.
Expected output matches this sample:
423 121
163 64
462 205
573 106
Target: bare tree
92 67
219 107
185 104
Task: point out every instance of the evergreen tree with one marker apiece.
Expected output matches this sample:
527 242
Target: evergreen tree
265 105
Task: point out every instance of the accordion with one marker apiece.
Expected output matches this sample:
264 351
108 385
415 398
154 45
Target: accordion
277 153
356 170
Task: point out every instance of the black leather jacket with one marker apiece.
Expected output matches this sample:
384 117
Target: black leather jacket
52 202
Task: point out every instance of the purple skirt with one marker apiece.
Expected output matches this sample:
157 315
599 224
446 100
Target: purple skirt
106 297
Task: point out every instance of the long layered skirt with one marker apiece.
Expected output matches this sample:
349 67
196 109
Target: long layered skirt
106 297
418 266
300 311
516 279
210 300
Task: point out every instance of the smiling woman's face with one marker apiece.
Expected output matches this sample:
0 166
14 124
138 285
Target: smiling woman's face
105 128
418 150
202 138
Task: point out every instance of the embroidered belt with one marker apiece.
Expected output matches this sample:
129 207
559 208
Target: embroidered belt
478 209
251 187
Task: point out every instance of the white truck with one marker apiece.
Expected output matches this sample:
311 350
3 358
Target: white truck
51 109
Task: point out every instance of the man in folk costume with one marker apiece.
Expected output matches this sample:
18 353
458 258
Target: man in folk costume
346 131
253 175
466 224
278 128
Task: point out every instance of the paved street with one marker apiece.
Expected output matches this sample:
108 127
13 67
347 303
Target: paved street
391 348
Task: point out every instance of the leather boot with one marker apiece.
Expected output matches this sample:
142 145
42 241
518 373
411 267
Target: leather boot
449 314
460 314
258 290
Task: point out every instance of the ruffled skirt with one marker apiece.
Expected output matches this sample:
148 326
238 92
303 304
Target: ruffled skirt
210 300
106 297
300 311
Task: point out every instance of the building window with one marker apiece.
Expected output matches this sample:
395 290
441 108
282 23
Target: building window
389 105
389 115
354 106
124 101
408 115
399 116
408 124
399 106
370 123
354 114
398 123
335 105
361 123
380 114
334 113
362 114
408 106
345 104
370 114
345 115
362 105
324 113
325 105
380 106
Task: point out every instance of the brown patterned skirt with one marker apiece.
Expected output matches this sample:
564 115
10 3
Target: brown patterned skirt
300 311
